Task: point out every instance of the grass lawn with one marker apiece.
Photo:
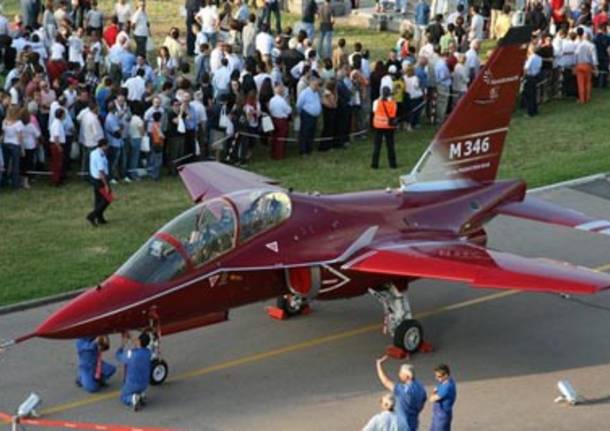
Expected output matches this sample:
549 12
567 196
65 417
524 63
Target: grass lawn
47 247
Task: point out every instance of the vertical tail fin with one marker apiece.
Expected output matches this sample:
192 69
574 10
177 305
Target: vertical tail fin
468 147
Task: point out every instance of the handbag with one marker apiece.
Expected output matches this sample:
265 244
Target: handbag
267 124
75 151
224 122
145 144
392 121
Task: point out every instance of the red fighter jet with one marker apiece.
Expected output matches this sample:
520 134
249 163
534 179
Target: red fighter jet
247 239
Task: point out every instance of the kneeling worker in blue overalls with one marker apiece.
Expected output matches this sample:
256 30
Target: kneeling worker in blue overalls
93 372
137 369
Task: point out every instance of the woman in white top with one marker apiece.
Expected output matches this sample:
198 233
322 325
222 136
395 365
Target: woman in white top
122 10
166 65
415 97
12 129
31 134
76 47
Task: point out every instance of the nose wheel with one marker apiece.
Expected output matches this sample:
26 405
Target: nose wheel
158 371
407 333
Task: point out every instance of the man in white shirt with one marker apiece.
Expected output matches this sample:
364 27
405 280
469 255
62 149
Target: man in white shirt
280 112
136 88
222 79
98 170
139 22
216 56
208 18
264 42
90 132
57 139
477 25
473 63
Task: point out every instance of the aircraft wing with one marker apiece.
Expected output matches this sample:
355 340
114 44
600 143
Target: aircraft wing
539 210
478 266
212 179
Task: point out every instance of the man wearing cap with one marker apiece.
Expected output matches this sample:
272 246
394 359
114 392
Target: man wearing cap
309 108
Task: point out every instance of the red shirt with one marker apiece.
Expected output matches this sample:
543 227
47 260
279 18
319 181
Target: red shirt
599 19
110 34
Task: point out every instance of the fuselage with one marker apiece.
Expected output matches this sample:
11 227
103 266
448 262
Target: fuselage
258 238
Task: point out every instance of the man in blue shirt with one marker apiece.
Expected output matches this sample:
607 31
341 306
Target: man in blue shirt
443 398
309 108
137 369
92 371
98 172
532 68
409 393
114 135
443 87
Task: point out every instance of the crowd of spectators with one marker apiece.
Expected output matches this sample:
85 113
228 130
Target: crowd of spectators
77 75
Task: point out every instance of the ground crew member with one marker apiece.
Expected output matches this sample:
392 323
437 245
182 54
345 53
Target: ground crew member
137 369
384 123
443 399
410 395
93 372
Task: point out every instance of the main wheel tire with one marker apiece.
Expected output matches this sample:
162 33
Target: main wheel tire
286 303
158 371
409 335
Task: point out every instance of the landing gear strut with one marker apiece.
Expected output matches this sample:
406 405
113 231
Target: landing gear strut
406 332
159 369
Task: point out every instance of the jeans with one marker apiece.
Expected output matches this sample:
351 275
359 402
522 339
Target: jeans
266 18
30 10
116 162
134 157
12 156
212 38
155 161
309 29
326 44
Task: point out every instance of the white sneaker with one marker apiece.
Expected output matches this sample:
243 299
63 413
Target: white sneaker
127 180
113 181
136 402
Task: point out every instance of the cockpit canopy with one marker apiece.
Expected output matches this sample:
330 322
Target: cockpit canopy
204 232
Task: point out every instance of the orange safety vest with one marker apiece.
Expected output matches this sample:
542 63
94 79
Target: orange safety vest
386 109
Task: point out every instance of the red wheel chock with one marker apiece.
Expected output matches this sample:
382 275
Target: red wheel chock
398 353
276 313
306 310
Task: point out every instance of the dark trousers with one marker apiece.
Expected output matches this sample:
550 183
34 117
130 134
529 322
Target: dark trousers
66 157
343 125
12 159
329 128
602 76
275 9
307 132
413 110
529 95
389 140
141 45
99 201
190 37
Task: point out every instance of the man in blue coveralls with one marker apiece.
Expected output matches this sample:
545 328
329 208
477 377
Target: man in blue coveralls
137 369
409 393
443 398
92 371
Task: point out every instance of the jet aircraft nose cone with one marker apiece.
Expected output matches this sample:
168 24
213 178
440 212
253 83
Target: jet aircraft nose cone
101 310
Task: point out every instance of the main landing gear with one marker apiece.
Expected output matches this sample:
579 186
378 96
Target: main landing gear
289 305
407 333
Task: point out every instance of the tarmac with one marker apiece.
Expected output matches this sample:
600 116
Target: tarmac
507 351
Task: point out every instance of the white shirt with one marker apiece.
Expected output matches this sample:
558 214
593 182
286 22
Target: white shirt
384 421
57 134
14 93
90 131
202 115
31 133
259 79
472 60
12 133
136 87
123 12
279 108
222 79
139 20
386 81
264 43
208 16
75 49
412 87
215 56
477 27
136 127
98 163
57 51
460 78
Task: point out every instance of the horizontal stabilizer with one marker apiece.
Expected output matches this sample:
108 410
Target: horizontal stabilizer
478 266
539 210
